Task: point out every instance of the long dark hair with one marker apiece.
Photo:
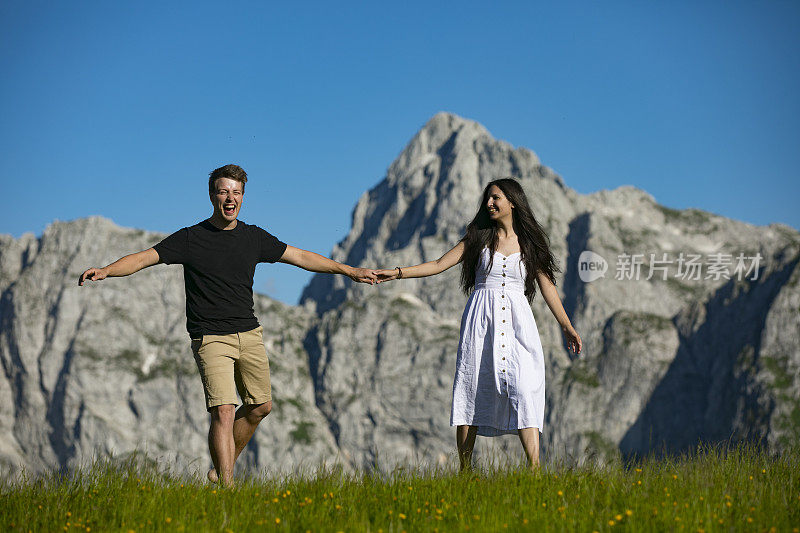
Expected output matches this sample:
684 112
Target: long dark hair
534 244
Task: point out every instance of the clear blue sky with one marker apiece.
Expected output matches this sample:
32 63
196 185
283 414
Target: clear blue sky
122 109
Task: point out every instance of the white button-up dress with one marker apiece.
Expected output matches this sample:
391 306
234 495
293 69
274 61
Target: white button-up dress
499 381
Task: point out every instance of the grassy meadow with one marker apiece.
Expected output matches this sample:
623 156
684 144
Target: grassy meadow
741 489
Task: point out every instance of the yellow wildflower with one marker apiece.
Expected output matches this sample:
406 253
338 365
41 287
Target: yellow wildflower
611 522
277 520
402 516
618 517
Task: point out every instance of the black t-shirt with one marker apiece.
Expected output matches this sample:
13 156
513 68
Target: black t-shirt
218 268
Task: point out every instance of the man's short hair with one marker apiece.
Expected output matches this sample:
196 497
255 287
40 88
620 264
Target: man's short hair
234 172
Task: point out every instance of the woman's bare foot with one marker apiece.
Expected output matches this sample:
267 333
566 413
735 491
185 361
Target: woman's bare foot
212 475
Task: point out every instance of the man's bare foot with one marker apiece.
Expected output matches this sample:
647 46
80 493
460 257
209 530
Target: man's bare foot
212 475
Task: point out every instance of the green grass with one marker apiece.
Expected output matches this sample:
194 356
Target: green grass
742 489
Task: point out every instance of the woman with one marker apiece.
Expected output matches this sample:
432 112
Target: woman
499 381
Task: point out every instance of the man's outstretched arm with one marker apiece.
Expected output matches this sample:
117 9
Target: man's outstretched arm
124 266
317 263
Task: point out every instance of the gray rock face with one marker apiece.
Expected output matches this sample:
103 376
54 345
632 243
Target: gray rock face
363 375
667 360
107 368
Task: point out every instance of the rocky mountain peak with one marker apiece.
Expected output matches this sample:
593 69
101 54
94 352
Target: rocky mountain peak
420 209
428 195
362 375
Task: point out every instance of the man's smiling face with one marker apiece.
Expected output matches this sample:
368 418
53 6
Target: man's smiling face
227 199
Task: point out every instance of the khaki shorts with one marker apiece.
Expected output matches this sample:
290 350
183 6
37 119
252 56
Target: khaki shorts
231 363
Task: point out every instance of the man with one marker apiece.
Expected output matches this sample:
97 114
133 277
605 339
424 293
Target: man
219 256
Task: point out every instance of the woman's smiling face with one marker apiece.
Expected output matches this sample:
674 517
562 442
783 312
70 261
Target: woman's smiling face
497 204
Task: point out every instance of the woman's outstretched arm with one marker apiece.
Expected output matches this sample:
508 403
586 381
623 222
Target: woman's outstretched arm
431 268
550 295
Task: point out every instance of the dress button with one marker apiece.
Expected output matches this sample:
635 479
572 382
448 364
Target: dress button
503 346
504 358
504 371
504 284
502 296
504 309
502 334
504 274
504 321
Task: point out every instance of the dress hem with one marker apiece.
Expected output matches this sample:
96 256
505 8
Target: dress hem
491 431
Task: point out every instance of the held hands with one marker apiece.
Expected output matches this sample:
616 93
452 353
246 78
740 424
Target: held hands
93 274
363 275
374 276
387 275
573 339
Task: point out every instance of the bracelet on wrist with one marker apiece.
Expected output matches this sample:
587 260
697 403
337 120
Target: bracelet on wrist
399 272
